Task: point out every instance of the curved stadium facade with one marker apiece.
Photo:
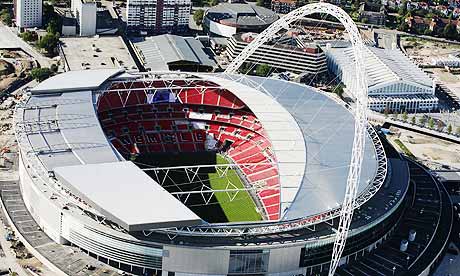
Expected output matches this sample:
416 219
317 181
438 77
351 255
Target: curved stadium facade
124 166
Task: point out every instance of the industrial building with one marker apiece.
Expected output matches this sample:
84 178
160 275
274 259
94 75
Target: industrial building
28 13
227 19
286 53
158 16
395 83
172 52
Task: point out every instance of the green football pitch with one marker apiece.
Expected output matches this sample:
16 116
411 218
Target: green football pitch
237 206
223 206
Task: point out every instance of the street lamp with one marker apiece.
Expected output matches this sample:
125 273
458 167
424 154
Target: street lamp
394 269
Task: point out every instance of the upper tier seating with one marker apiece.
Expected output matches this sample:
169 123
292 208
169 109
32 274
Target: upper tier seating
136 121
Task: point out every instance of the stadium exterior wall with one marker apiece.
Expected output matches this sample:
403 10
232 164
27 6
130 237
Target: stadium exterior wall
143 253
124 251
42 209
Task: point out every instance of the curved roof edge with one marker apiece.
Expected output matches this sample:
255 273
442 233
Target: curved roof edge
75 81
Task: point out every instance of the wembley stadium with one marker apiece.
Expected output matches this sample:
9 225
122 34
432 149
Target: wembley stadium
202 174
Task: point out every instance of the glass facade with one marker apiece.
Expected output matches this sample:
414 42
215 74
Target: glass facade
248 261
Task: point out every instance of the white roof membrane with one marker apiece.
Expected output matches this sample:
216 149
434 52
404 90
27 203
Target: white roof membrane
126 195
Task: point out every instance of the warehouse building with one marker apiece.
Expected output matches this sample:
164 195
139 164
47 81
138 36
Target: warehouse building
395 83
175 53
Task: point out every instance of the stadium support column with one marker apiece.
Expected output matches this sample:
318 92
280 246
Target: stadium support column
359 90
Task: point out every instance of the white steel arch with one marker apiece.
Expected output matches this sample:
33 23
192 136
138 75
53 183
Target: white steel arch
360 110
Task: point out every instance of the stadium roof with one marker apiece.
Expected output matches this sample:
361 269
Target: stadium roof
62 129
64 136
383 66
241 14
312 139
126 195
75 81
310 133
162 50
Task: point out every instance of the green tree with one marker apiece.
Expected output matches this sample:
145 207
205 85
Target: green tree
422 121
246 68
405 116
413 120
40 74
260 3
29 36
431 123
339 89
52 26
364 20
213 2
5 17
430 15
457 131
262 70
450 31
197 3
49 42
54 68
403 9
449 129
403 27
198 17
48 12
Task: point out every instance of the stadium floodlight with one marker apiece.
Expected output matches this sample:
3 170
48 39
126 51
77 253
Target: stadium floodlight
359 91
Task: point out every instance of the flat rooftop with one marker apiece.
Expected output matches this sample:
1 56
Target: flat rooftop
234 14
83 53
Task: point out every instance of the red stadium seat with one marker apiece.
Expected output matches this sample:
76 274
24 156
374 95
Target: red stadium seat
162 126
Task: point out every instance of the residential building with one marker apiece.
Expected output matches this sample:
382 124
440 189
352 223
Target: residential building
442 9
85 14
284 6
372 13
158 16
288 53
417 24
394 82
28 13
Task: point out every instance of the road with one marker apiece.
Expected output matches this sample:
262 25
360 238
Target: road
8 39
9 260
380 118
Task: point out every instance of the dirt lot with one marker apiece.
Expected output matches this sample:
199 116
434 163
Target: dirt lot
425 50
18 63
434 152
